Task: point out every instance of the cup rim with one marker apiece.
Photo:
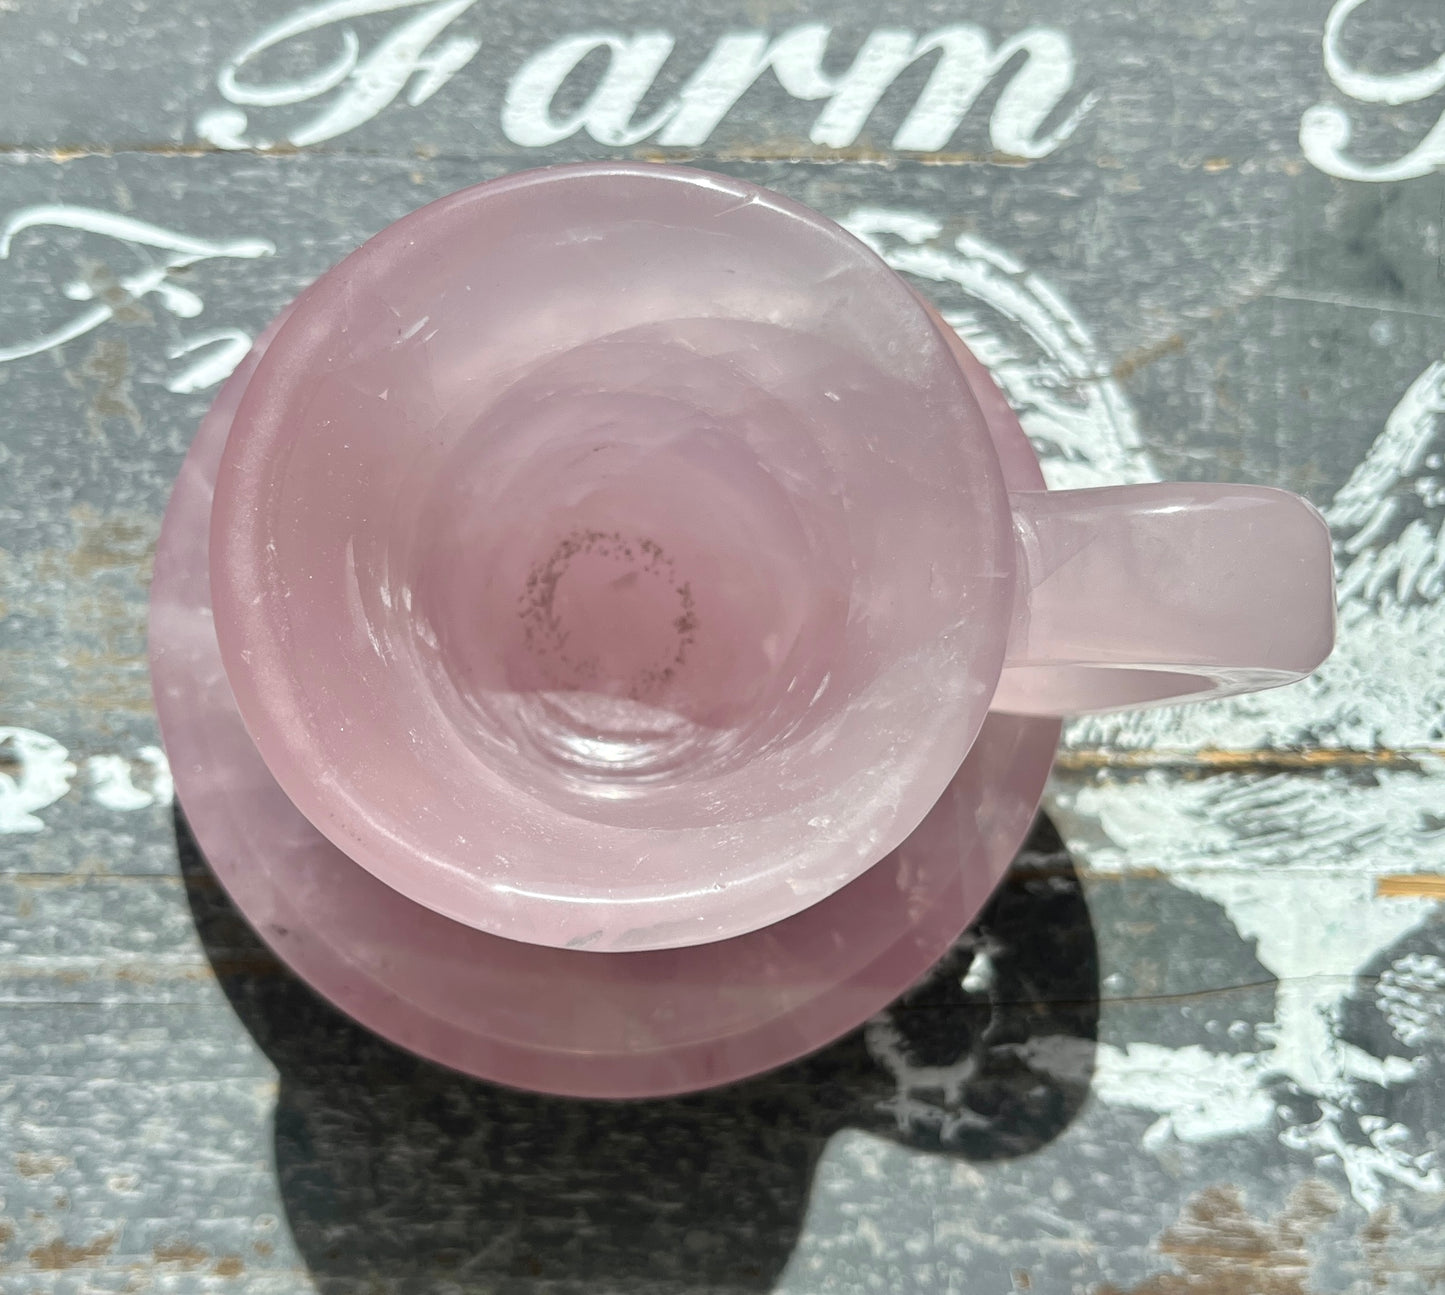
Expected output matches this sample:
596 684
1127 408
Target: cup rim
246 489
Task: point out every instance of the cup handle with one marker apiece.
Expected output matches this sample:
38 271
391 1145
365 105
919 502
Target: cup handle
1141 595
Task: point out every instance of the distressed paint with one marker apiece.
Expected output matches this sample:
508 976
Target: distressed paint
1326 131
36 772
967 64
38 775
367 84
1155 294
158 280
412 57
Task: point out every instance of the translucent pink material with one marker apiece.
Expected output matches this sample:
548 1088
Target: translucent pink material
616 557
556 1020
1134 595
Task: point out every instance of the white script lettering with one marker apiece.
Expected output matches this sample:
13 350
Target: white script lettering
366 85
1326 129
153 280
967 63
416 58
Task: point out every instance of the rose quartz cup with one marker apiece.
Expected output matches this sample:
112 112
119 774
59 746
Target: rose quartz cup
616 557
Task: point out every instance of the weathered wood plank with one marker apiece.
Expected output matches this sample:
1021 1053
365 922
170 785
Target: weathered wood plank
1201 1051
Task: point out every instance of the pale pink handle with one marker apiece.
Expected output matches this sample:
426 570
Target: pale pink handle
1138 595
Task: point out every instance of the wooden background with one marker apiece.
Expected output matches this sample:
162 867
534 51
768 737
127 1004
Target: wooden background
1198 1042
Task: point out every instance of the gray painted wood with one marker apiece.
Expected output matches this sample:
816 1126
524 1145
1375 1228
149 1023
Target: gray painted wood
1209 1056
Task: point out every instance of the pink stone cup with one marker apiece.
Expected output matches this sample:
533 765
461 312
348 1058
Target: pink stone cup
616 557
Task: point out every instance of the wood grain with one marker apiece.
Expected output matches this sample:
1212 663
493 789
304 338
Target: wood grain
1195 1045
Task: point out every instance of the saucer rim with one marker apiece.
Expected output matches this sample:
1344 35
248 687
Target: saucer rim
367 999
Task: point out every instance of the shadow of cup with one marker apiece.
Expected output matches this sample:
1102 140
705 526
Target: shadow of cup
394 1169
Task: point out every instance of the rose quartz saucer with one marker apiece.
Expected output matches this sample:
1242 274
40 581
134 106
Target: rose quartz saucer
554 1020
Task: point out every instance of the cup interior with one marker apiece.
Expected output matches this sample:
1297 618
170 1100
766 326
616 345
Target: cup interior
631 575
612 556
